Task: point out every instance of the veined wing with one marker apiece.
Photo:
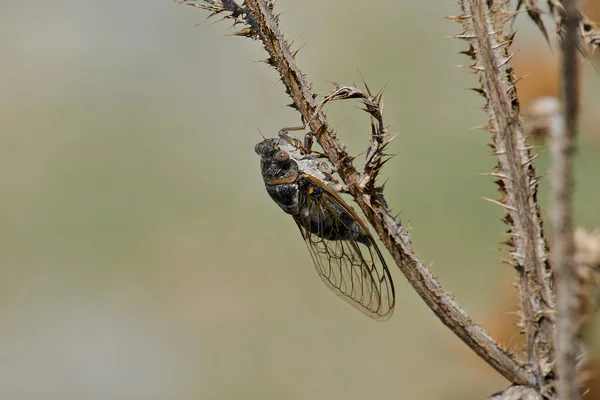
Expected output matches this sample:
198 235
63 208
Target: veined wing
343 251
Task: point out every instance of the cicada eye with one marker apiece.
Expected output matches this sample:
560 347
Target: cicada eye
282 156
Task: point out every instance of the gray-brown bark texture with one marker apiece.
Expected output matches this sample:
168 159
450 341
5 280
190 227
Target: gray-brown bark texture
483 23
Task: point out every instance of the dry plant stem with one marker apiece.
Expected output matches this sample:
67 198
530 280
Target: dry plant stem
483 22
567 302
587 266
589 32
372 204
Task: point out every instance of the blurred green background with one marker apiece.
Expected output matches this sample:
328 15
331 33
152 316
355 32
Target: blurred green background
141 257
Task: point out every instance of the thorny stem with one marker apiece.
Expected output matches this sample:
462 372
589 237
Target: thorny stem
373 205
567 302
483 22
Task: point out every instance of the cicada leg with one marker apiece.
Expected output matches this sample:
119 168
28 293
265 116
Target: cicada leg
306 146
308 141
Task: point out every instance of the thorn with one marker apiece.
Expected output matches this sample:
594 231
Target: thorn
478 90
485 127
535 180
297 50
527 75
364 82
463 36
527 148
507 60
500 204
270 61
247 32
470 52
458 18
495 174
531 159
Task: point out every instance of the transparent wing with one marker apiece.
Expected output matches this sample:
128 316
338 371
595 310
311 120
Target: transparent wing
344 252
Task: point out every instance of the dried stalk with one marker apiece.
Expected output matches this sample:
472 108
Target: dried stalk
535 13
263 25
586 262
567 301
587 267
588 31
483 23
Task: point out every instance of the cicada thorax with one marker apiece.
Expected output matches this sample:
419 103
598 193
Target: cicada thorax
323 217
286 196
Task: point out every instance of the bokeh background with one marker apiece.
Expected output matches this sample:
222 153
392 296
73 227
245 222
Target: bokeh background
140 256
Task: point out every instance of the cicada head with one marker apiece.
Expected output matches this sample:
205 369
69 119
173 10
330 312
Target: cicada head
277 161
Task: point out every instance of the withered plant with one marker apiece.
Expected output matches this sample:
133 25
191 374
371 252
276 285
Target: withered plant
558 288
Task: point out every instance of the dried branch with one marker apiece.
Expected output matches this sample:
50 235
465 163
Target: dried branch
376 157
589 31
562 144
483 23
535 13
371 200
587 268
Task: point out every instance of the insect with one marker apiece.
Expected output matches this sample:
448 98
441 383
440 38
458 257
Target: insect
343 251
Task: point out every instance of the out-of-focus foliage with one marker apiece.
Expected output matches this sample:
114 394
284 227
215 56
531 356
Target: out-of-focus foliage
140 254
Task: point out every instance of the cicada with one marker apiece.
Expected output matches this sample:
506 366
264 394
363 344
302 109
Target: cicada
342 249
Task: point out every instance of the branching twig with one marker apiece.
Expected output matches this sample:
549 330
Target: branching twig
483 22
376 157
588 30
372 203
567 342
535 13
